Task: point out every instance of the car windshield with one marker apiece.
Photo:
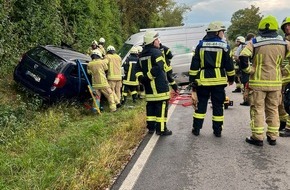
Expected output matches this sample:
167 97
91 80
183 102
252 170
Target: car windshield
47 58
124 50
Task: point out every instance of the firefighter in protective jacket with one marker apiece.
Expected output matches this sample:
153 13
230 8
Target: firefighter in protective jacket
130 82
267 51
97 68
150 71
285 105
211 68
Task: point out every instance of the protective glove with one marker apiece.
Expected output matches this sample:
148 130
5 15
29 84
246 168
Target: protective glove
175 88
194 100
142 79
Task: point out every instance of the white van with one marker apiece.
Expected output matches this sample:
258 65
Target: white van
181 40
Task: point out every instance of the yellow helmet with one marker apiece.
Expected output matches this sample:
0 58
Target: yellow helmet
285 21
150 36
269 22
134 50
215 27
241 39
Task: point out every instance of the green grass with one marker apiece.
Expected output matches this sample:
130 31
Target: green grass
63 146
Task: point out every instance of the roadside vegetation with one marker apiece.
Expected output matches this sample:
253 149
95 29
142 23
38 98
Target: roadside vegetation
64 146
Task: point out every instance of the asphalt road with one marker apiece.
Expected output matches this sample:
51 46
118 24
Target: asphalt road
184 162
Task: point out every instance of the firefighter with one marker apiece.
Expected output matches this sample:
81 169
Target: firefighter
114 74
97 68
284 116
130 82
211 68
167 54
240 40
244 76
94 46
140 88
150 71
101 46
267 52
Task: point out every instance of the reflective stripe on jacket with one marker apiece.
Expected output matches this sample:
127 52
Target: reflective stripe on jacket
114 67
130 71
212 65
152 67
267 56
97 68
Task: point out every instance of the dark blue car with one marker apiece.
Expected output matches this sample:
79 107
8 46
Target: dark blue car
52 72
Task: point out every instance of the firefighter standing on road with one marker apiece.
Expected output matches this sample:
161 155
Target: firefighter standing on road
267 51
151 73
240 40
284 117
211 68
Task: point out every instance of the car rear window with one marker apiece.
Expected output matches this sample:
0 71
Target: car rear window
47 58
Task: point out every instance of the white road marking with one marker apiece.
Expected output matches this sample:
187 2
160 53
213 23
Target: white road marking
133 175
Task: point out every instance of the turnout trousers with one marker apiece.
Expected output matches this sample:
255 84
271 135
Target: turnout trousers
264 106
217 96
157 115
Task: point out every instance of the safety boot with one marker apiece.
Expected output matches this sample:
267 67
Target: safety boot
282 125
284 133
217 131
164 133
250 140
270 141
195 131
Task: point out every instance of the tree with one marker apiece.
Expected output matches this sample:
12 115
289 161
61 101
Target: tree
243 22
138 14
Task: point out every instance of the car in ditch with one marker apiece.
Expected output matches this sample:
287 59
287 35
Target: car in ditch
53 73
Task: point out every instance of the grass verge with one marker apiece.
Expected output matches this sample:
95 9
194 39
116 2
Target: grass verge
63 146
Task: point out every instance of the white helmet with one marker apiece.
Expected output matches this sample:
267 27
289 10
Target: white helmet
215 27
134 50
240 39
139 48
102 40
111 48
94 42
150 36
97 52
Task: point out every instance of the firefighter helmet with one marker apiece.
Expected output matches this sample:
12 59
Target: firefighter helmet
94 42
269 22
150 36
134 50
241 39
284 22
139 48
215 27
102 40
97 52
111 48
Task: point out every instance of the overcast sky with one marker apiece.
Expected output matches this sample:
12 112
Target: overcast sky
205 11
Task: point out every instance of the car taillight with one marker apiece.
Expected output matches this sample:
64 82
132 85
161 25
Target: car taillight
59 81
